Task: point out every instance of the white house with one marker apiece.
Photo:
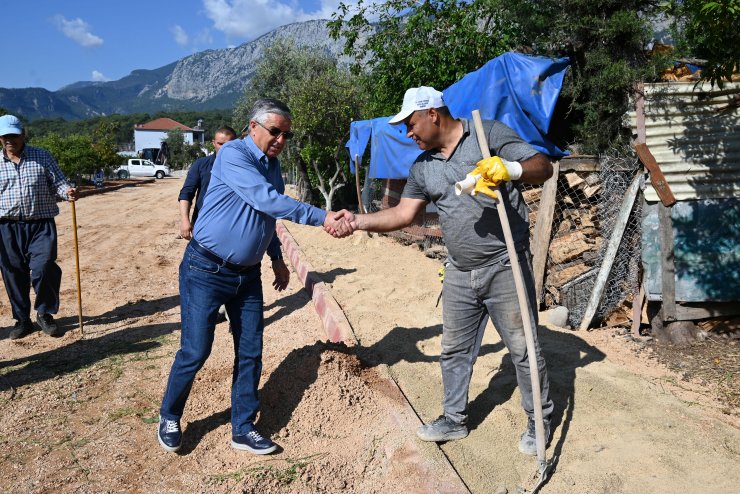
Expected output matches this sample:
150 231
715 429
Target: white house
151 134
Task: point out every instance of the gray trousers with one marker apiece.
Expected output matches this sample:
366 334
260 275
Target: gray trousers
469 298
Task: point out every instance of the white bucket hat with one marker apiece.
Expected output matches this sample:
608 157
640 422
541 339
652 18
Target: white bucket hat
418 98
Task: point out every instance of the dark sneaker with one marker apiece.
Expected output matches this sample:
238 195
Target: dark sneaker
528 441
169 435
253 442
21 329
442 429
48 324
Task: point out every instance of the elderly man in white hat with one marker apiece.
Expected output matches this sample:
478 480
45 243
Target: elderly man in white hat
478 280
30 182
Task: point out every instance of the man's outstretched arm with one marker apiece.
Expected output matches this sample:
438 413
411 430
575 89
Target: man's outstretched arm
386 220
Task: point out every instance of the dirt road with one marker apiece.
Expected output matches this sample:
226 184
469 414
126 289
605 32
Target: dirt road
78 415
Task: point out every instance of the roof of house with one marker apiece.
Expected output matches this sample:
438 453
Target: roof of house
164 124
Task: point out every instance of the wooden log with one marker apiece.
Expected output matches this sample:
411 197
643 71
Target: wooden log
559 277
591 190
532 195
574 181
571 246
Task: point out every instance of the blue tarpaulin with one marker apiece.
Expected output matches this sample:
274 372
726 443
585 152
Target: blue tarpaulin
518 90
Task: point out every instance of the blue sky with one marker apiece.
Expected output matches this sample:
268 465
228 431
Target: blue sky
52 43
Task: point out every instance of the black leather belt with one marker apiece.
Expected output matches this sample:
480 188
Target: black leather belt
221 262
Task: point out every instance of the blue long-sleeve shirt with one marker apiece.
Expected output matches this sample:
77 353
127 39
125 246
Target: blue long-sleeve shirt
245 196
196 182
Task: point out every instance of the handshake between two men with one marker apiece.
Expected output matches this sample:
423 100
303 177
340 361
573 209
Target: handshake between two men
489 173
340 224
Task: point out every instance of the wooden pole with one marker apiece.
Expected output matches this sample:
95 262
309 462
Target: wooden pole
521 293
77 270
543 230
611 251
360 206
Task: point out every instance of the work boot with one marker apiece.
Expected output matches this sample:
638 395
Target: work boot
21 329
442 429
528 441
47 324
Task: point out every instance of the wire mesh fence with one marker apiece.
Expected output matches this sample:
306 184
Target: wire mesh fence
588 199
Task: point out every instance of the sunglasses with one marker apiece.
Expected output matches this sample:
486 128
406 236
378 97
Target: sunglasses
275 132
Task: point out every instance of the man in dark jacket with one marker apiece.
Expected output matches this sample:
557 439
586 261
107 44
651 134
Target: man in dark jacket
197 182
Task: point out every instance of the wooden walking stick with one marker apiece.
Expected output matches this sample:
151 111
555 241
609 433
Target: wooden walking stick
77 270
539 425
360 206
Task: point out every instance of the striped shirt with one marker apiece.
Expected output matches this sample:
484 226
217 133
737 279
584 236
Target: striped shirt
28 190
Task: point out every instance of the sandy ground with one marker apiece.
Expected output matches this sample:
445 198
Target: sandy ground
78 415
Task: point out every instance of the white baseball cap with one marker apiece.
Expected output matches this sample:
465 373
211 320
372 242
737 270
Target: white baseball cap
418 98
10 124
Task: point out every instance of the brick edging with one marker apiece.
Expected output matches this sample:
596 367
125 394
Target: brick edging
336 326
338 329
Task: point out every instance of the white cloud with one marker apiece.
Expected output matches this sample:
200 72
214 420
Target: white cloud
99 76
203 38
78 31
252 18
181 37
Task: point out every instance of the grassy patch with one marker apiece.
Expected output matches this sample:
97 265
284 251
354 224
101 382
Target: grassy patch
127 412
11 368
286 474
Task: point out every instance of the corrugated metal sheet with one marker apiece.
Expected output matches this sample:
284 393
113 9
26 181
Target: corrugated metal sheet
694 137
706 250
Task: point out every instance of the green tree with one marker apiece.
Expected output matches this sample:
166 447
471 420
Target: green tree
323 97
437 42
323 107
710 30
398 44
104 144
606 43
75 154
181 153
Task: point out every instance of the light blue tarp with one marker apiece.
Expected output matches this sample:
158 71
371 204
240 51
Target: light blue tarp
518 90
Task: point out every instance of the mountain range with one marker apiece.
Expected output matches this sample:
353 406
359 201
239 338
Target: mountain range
211 79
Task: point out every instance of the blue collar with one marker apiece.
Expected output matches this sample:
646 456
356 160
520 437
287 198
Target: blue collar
261 157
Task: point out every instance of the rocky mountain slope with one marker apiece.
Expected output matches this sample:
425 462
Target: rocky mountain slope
205 80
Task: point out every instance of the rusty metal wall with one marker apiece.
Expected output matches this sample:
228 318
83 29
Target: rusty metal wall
694 133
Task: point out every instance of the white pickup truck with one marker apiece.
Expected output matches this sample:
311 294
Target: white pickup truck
138 167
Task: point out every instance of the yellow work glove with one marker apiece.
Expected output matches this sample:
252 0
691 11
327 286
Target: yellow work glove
499 170
489 173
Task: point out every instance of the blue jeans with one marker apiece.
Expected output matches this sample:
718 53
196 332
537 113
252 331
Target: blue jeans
204 287
469 298
28 253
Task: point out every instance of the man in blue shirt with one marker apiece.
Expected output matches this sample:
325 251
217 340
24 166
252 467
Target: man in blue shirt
30 182
221 266
196 182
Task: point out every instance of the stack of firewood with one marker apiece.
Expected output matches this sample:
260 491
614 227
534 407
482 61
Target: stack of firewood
575 237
